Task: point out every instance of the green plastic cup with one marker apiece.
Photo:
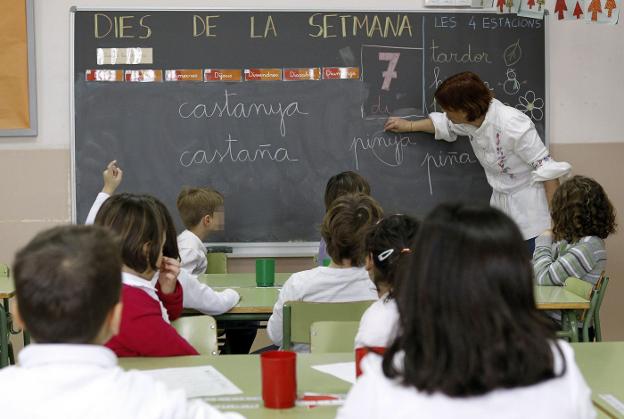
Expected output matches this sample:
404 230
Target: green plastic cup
265 272
326 261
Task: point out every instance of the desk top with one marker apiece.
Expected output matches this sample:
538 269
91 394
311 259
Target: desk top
558 298
244 372
247 279
602 365
7 289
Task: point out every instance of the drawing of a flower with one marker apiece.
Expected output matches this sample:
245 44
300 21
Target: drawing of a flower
531 105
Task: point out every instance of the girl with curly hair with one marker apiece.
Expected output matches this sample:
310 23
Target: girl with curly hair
582 217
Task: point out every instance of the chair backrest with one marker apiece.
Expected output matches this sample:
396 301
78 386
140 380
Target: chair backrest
579 287
200 332
4 269
299 316
217 263
334 336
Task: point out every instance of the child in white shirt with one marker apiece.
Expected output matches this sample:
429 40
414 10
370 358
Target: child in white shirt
471 342
345 279
387 244
201 211
68 284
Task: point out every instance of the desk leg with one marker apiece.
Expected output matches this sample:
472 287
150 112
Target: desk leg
4 338
570 324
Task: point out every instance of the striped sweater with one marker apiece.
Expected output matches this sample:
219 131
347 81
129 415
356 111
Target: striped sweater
553 263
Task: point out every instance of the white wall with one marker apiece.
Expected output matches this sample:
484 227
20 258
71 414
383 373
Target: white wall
586 62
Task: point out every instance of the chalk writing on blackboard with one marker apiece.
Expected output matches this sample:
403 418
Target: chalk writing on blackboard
445 159
235 154
240 110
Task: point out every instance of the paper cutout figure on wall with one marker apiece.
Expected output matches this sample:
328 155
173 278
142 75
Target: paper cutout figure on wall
560 7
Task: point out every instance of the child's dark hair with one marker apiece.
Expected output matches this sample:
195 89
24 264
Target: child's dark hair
67 279
389 241
170 249
344 183
580 207
137 221
464 92
468 321
345 225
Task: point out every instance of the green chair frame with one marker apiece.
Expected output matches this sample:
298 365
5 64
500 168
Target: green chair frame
200 332
590 317
333 336
298 316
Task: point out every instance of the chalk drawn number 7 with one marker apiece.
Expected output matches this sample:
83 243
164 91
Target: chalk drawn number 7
390 73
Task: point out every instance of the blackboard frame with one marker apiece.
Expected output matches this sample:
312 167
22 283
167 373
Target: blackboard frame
263 249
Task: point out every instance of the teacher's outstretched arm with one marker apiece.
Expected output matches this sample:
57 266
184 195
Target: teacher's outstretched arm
395 124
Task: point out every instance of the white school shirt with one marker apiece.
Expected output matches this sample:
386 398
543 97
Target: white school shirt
83 381
379 324
322 284
97 204
201 297
192 253
376 396
515 161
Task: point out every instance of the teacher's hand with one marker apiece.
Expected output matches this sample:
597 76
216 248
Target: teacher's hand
395 124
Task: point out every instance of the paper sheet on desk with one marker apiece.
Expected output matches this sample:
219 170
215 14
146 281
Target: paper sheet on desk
196 381
343 370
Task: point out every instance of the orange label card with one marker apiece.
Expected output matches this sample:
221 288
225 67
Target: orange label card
220 74
292 74
104 75
341 73
263 74
183 75
144 76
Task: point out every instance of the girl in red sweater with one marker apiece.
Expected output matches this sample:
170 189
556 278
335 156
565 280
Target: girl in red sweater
147 310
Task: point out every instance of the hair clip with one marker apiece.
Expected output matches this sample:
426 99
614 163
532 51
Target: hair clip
406 250
385 255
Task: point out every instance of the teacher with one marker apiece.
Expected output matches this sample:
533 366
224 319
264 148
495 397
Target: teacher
517 165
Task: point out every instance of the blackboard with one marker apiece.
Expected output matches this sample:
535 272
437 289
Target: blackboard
270 146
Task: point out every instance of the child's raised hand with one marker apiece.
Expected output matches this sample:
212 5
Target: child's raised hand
168 275
112 177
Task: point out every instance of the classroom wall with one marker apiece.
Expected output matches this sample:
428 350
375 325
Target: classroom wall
585 65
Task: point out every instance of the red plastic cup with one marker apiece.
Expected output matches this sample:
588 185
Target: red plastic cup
279 379
362 352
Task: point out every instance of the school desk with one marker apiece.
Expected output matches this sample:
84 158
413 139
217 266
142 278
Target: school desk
239 279
244 372
558 298
602 365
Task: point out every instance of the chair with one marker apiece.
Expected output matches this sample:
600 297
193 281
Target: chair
595 295
199 331
4 269
217 263
299 316
335 336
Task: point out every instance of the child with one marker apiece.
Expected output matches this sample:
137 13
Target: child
387 243
343 229
201 210
471 342
338 185
196 295
68 283
147 310
582 218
